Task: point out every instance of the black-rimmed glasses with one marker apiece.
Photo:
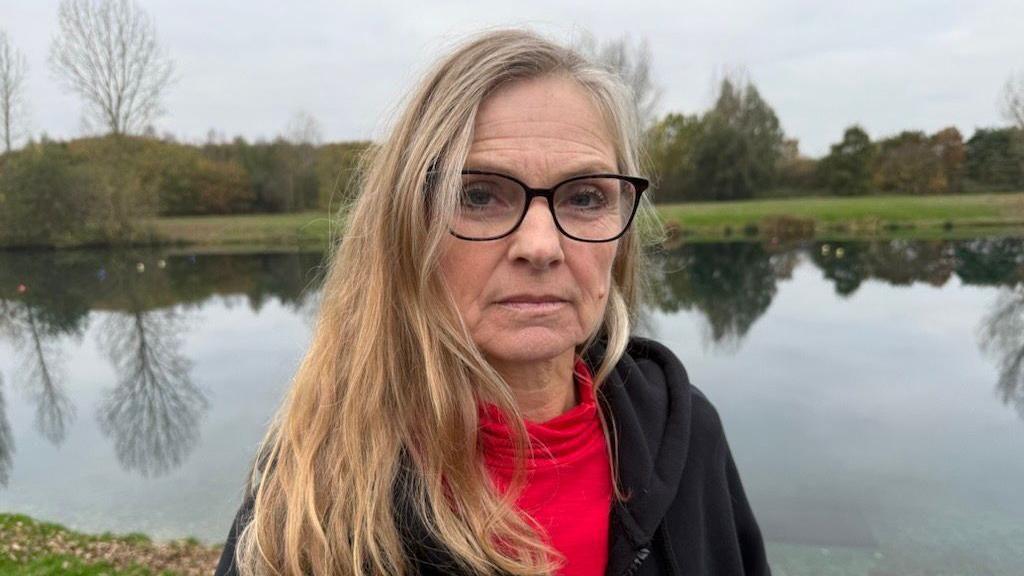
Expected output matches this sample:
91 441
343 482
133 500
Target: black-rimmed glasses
588 208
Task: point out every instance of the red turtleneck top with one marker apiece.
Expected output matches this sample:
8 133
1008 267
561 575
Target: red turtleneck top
568 489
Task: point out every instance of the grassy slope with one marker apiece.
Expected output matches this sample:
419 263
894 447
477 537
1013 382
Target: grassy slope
31 547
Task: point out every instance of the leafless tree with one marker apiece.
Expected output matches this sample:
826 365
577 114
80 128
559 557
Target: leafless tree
13 70
107 52
633 64
304 134
1013 100
303 128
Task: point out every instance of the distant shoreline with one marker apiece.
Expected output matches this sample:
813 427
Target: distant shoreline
946 216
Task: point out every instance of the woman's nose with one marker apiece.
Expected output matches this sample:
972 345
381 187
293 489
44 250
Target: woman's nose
537 239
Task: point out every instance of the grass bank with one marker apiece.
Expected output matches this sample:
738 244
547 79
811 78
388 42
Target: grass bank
831 218
849 217
31 547
302 228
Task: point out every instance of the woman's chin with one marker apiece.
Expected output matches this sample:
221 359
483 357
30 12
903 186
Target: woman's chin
534 345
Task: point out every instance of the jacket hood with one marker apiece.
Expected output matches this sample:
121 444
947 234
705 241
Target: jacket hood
650 396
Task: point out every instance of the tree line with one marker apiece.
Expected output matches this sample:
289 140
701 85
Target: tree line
107 53
737 150
99 188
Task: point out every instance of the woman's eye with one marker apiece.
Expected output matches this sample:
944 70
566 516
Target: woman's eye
477 196
587 198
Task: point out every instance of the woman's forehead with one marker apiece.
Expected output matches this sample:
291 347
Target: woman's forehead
522 104
550 116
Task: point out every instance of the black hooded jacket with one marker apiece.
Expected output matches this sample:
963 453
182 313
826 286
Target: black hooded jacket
686 512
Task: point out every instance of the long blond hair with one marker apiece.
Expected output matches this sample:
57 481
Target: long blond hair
391 369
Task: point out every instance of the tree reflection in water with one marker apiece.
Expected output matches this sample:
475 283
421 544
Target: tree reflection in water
42 368
154 410
899 262
731 284
1000 262
6 439
1002 335
54 411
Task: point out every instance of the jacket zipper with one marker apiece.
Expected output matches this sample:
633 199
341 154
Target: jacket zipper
638 559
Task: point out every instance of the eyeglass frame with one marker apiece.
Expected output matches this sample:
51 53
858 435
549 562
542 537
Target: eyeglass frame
638 183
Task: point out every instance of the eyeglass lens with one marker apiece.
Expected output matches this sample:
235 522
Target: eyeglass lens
596 208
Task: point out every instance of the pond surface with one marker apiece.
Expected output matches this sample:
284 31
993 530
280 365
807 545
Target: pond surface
872 393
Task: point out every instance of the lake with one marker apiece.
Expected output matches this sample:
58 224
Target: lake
872 392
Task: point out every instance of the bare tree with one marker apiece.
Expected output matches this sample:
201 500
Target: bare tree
303 128
304 134
1013 99
107 52
13 69
633 64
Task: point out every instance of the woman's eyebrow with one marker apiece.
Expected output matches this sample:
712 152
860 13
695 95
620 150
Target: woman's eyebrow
578 170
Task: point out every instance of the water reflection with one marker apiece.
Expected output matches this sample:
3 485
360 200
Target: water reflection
6 439
1002 335
983 261
990 261
154 410
731 284
897 262
42 367
147 303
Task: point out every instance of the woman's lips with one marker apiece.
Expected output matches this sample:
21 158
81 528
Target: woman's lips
533 305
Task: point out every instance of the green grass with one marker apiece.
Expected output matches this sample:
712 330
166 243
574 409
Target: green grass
820 217
269 229
915 216
33 547
54 564
920 211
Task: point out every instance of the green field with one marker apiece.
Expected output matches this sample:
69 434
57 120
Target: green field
927 216
988 207
866 216
303 228
776 219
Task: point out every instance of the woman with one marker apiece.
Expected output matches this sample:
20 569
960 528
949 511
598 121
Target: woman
472 401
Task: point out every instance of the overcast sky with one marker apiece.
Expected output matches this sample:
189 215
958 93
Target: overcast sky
244 67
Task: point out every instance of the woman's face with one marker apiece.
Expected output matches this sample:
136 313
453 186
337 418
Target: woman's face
535 294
